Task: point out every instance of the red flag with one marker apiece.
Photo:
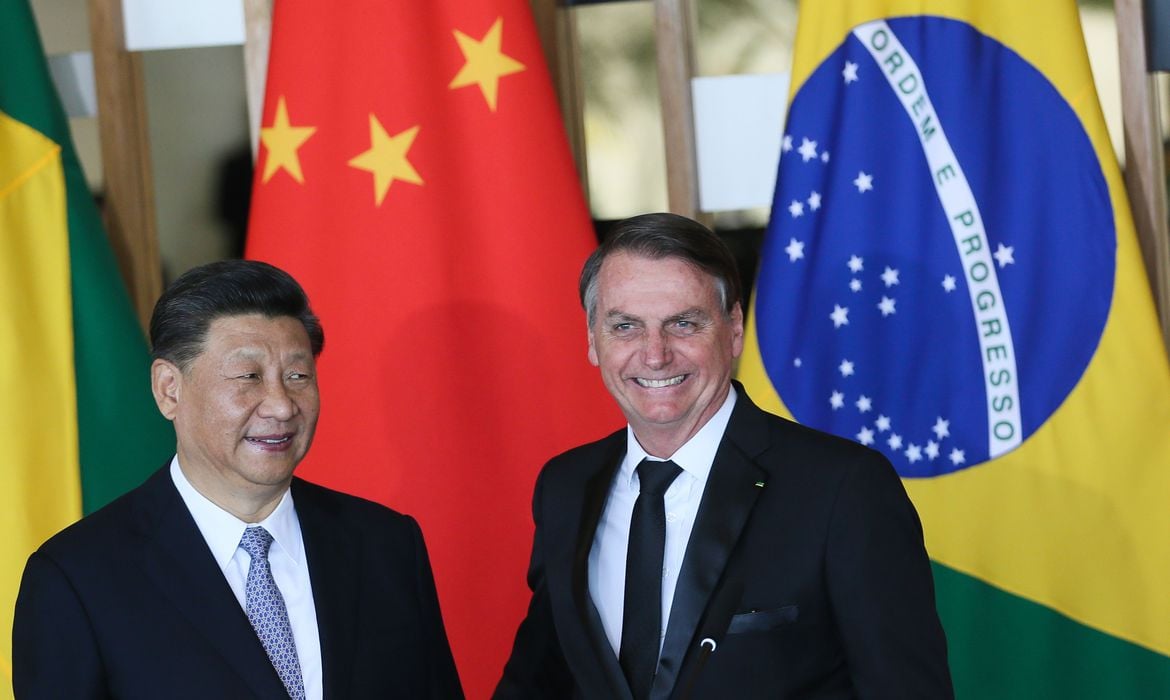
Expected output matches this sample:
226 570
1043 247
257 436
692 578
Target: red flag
414 176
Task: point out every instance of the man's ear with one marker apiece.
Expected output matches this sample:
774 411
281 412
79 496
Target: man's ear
166 382
736 330
592 351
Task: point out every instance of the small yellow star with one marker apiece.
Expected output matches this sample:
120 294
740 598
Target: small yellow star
486 64
282 141
386 158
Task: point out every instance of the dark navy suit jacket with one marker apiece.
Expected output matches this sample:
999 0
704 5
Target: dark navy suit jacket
130 603
805 572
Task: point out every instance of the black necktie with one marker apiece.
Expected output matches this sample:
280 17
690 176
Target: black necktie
642 608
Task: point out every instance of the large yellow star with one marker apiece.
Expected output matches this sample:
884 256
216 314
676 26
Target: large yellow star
486 64
282 141
386 158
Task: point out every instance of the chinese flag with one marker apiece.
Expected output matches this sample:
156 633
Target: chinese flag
413 175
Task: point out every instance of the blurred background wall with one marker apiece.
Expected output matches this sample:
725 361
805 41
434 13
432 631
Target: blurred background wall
198 121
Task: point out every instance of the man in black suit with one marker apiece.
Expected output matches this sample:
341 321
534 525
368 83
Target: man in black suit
763 560
223 576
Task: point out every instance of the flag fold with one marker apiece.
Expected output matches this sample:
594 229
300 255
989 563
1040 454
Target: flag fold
951 276
414 176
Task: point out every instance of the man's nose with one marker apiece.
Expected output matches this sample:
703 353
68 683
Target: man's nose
277 403
656 352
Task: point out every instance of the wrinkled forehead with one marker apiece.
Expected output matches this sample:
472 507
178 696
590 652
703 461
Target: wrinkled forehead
641 285
627 268
256 334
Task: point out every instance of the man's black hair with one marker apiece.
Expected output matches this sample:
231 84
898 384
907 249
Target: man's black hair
183 315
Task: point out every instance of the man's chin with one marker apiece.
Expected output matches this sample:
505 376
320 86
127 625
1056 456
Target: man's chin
660 418
270 470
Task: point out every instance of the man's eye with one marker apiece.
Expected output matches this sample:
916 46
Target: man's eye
621 327
248 375
299 376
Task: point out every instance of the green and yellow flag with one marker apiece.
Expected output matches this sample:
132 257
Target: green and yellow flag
951 276
78 425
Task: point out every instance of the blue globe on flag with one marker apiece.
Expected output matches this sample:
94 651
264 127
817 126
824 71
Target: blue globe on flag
936 276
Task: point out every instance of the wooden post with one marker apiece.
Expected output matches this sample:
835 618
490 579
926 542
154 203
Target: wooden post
125 144
258 37
1145 168
558 37
676 67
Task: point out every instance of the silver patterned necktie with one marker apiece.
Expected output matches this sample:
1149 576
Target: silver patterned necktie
266 612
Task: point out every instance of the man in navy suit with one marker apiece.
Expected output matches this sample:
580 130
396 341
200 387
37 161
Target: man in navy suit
223 576
710 549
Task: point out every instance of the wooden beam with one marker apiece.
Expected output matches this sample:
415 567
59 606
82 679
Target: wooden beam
125 144
1145 168
559 38
676 67
258 37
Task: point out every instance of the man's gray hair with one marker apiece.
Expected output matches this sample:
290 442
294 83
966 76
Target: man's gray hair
659 236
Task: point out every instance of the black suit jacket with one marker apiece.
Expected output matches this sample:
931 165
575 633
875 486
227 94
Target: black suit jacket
130 603
805 577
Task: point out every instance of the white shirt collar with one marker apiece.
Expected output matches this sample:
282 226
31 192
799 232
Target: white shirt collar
223 531
696 455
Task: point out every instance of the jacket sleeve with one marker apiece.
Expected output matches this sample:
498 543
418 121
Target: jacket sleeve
444 678
881 589
54 649
536 667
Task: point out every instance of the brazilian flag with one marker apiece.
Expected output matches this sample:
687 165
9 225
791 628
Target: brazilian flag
951 276
78 425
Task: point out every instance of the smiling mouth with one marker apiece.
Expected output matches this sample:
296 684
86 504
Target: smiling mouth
659 383
269 440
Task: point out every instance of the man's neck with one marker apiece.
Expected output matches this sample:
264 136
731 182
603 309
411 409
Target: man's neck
663 441
661 448
251 504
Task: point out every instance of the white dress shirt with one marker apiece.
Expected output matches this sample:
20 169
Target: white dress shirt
290 569
607 558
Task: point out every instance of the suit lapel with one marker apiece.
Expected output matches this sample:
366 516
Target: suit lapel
176 557
727 501
596 491
332 552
